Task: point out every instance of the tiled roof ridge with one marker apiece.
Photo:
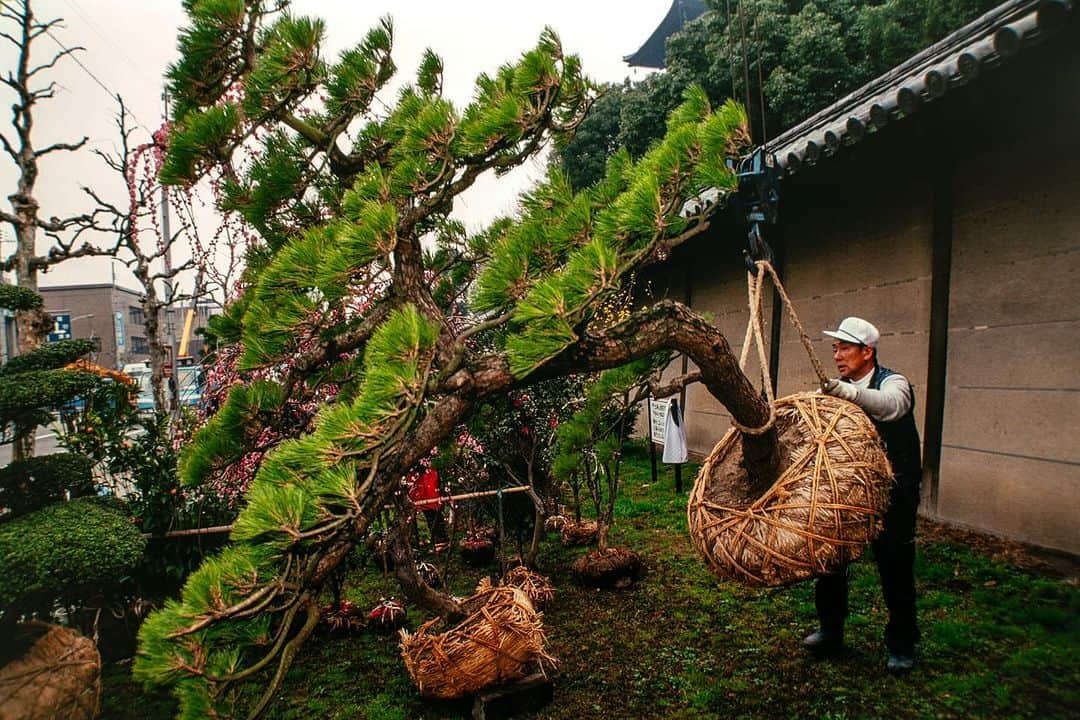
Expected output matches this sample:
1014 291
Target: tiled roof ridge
955 60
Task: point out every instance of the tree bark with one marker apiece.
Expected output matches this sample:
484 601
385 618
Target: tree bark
152 318
416 590
666 325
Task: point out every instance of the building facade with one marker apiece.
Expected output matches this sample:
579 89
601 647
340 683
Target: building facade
949 216
112 316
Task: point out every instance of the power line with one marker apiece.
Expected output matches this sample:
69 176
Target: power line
90 23
113 94
71 53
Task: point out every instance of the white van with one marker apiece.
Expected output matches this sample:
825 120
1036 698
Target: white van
189 378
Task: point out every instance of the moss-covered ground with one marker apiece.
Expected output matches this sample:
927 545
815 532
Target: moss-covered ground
1001 639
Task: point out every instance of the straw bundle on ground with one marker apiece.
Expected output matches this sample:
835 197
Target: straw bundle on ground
817 516
576 533
555 523
58 677
536 587
496 643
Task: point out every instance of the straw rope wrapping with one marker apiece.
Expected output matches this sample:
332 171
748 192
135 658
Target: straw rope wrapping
536 587
820 513
497 643
575 533
613 567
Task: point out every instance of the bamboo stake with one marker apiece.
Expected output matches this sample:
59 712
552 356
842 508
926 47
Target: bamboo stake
479 494
417 503
195 531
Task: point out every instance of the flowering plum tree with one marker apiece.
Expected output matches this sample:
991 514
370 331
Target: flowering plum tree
352 304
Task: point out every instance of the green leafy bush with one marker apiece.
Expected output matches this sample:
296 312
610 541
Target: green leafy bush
28 391
65 552
158 504
13 297
101 421
33 483
49 356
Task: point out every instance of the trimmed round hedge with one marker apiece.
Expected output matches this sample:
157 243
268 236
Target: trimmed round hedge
31 484
67 551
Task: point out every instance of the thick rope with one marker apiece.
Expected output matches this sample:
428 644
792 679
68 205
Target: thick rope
754 286
803 337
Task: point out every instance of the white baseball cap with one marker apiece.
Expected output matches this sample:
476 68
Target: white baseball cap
856 330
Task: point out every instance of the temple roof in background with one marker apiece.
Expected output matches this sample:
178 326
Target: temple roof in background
651 54
957 60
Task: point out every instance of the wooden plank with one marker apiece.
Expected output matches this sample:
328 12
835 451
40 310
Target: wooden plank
505 701
1041 423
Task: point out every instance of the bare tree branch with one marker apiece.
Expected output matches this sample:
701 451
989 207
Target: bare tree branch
56 225
8 148
188 264
674 385
61 146
55 59
41 28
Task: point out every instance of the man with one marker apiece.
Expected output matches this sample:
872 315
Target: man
889 400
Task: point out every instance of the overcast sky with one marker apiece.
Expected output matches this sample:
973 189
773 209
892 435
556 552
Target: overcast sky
129 43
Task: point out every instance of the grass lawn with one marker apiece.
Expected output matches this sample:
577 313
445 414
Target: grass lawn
1001 639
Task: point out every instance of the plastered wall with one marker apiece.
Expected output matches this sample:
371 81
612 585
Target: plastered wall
1010 449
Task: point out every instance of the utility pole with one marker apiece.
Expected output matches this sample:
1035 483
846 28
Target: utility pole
173 384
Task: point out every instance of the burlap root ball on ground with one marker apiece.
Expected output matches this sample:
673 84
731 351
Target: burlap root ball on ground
501 639
58 677
613 567
819 514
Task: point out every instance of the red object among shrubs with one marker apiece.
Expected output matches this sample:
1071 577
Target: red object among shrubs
389 614
426 487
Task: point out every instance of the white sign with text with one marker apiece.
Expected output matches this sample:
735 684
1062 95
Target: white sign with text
657 415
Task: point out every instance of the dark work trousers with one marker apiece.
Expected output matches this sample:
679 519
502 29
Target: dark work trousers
894 553
436 525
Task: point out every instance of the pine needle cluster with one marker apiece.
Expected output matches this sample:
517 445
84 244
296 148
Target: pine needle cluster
570 250
226 437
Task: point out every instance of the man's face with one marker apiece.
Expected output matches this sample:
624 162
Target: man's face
852 360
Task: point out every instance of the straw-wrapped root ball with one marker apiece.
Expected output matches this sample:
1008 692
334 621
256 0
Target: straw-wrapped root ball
57 676
576 533
502 639
387 615
824 507
536 587
555 523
